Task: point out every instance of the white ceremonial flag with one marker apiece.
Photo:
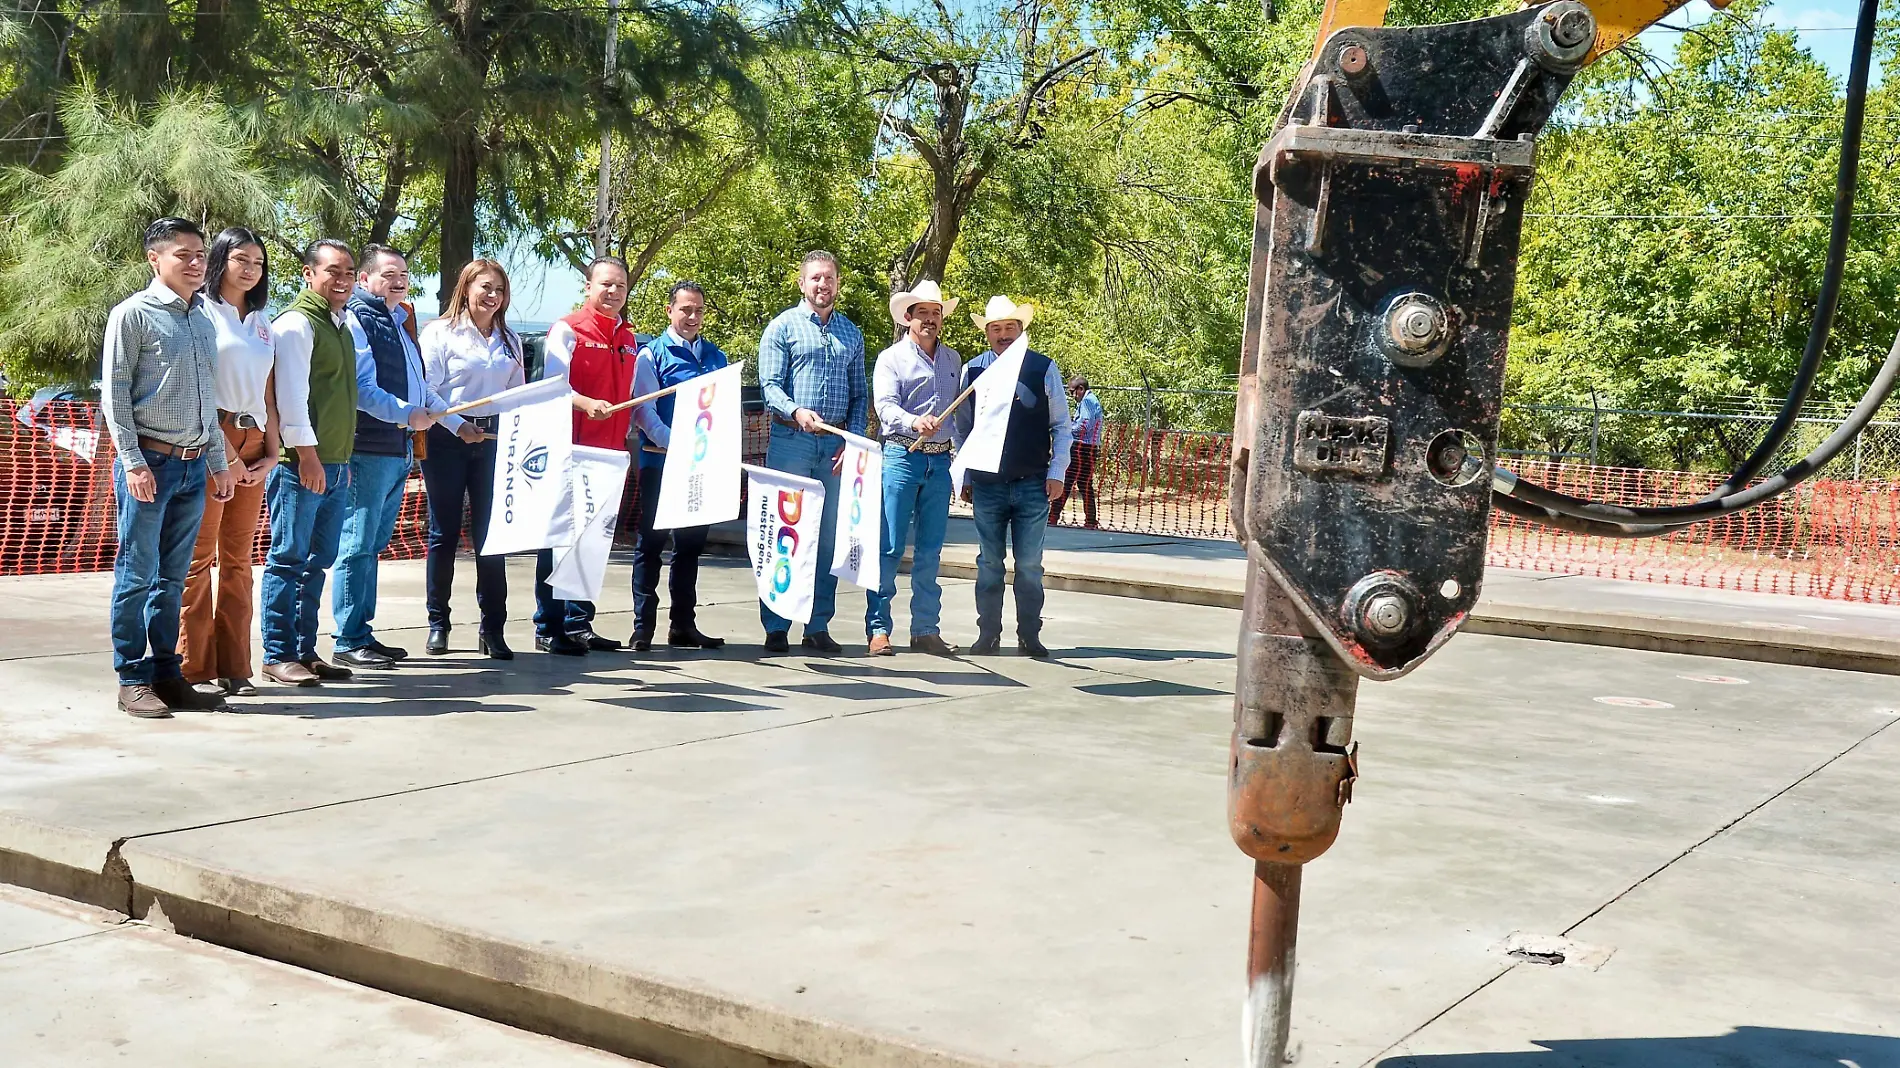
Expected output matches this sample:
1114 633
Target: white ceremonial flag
783 514
701 483
995 393
534 443
596 479
857 548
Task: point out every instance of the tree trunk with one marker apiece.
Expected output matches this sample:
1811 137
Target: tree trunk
461 171
461 177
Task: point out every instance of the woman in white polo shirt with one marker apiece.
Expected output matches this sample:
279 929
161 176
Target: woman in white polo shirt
468 354
215 626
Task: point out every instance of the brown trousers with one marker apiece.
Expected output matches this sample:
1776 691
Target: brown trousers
215 628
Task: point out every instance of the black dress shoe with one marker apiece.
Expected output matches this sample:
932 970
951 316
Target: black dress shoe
640 641
776 642
438 643
179 696
325 672
366 657
492 644
565 645
987 645
1032 646
691 638
822 642
595 642
388 652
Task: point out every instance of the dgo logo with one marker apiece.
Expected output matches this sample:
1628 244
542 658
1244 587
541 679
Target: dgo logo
791 506
703 422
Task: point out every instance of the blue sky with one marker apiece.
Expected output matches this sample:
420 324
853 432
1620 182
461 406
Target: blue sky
544 292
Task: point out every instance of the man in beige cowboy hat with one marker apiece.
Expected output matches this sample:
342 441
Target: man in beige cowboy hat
1012 503
912 387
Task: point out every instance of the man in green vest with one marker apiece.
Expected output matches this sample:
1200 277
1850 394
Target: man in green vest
313 420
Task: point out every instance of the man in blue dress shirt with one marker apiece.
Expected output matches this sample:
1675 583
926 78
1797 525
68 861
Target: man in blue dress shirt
811 370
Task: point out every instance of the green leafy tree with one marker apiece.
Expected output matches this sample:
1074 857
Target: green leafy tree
70 248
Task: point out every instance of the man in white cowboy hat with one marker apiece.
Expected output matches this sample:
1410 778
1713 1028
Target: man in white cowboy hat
1012 503
912 387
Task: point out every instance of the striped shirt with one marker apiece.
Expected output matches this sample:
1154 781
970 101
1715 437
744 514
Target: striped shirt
161 358
808 363
909 384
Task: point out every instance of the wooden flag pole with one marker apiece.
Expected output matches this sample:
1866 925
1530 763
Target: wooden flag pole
668 391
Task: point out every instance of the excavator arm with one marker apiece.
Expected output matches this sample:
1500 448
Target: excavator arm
1617 20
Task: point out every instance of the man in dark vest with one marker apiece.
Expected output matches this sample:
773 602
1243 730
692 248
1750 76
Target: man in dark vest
393 399
1012 503
313 419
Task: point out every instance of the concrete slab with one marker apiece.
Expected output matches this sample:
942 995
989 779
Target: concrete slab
129 992
1044 877
1719 963
923 862
29 920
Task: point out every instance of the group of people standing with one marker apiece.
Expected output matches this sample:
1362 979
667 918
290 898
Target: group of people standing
220 415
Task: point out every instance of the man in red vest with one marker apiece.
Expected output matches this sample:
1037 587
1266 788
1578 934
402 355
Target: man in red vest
596 350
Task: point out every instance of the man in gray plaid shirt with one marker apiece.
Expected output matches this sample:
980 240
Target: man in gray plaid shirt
161 406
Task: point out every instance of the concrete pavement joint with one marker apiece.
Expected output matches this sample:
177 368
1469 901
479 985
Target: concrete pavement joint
1631 888
462 782
1719 831
72 938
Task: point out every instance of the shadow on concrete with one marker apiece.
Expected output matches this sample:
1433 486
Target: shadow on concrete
444 687
1097 652
981 677
1744 1047
1150 688
685 697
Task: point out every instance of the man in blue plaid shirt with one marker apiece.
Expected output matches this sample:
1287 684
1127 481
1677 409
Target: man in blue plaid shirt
811 370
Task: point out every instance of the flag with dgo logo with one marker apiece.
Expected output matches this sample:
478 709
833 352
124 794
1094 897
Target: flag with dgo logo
701 480
783 516
856 547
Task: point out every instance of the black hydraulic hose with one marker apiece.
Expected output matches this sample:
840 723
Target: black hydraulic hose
1682 514
1846 185
1617 521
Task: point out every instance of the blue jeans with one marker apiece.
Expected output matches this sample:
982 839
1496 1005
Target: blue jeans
304 527
916 487
1018 511
575 616
156 538
797 453
376 485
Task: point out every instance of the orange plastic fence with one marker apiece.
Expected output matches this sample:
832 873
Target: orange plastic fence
1831 538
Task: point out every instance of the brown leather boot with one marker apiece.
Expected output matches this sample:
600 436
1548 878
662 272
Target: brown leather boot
140 702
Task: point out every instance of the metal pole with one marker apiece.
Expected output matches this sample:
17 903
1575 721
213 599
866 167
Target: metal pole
1293 768
603 217
1268 1018
1596 419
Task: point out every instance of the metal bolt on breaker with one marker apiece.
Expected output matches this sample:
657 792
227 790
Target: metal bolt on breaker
1388 207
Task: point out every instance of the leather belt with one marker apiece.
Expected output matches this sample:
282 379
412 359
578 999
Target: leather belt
166 448
241 420
782 421
925 448
487 424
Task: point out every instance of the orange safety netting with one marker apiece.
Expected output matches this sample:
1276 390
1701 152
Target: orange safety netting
1830 538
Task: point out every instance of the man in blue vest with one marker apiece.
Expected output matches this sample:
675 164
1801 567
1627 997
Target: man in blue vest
393 398
1012 502
678 355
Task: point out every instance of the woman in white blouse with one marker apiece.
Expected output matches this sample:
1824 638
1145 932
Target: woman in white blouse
467 354
215 627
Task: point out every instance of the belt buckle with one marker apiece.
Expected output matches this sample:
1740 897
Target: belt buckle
245 421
